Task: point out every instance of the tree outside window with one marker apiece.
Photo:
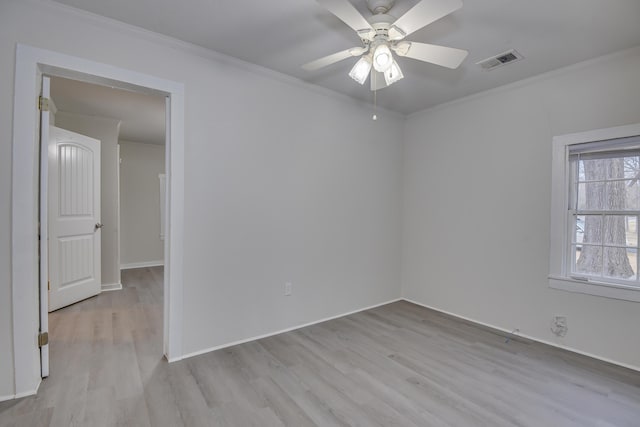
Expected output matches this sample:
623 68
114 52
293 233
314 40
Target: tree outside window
606 203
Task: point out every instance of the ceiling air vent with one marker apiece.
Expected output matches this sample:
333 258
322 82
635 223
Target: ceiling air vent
500 60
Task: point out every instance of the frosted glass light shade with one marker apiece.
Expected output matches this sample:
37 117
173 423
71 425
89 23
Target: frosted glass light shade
360 71
393 73
382 58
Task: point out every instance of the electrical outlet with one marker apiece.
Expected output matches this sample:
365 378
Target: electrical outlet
288 289
559 326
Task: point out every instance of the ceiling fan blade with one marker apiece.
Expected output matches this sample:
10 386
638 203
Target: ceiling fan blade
422 14
377 80
333 58
344 10
440 55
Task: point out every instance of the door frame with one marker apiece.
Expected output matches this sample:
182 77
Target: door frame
31 64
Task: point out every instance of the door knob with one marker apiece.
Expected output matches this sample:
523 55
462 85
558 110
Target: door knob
99 225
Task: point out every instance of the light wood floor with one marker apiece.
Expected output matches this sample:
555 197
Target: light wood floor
397 365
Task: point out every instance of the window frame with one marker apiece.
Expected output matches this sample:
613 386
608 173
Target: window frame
560 276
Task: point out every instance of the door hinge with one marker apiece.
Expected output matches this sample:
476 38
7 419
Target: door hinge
48 285
43 339
43 103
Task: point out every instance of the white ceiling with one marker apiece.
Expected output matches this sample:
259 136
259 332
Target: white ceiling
142 115
284 34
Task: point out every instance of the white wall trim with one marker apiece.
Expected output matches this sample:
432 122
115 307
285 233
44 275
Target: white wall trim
203 52
21 395
118 208
142 264
281 331
530 80
30 64
7 397
53 109
595 288
26 394
24 217
107 287
529 337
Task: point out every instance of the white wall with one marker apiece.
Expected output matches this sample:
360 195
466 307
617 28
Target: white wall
6 107
140 166
284 182
107 131
477 178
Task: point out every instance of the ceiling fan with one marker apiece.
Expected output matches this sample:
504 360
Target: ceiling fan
382 34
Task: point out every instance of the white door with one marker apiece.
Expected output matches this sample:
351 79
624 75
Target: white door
74 217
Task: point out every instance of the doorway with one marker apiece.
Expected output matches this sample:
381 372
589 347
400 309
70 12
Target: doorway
121 215
31 64
131 127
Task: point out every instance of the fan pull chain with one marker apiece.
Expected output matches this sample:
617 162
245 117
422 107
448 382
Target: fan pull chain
375 98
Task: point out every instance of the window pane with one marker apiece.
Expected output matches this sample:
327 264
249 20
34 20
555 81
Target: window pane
591 195
632 230
614 167
605 240
632 195
595 169
620 263
581 175
620 230
577 249
631 167
588 260
621 195
579 229
592 228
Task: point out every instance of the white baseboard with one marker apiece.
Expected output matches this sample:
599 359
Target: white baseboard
281 331
23 394
141 264
111 287
529 337
508 332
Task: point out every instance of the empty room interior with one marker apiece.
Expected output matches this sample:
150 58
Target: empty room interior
319 213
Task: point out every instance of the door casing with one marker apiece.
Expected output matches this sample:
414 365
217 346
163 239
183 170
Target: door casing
43 296
31 64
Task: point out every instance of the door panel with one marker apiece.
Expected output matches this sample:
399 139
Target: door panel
75 260
74 217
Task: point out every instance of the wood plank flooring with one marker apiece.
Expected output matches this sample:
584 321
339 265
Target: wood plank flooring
396 365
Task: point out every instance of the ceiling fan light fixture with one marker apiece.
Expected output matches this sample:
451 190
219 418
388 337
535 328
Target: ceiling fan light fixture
383 39
393 73
360 71
382 58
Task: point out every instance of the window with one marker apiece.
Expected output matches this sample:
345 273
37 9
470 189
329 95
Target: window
595 218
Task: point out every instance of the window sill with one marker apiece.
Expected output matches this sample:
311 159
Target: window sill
600 289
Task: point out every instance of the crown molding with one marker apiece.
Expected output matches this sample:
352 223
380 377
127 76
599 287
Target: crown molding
630 52
209 54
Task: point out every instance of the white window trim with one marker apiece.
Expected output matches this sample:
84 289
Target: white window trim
560 274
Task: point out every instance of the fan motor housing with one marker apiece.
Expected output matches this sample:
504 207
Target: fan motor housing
380 6
381 23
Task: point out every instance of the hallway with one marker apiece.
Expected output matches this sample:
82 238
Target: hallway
103 350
